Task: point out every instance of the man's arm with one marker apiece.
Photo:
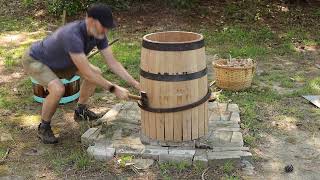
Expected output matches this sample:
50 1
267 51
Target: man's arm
80 60
117 68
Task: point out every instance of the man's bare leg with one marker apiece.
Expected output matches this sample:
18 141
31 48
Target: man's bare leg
86 90
56 91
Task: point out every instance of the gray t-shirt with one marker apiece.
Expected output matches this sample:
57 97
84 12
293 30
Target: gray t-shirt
54 50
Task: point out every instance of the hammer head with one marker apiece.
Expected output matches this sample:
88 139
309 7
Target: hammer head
144 98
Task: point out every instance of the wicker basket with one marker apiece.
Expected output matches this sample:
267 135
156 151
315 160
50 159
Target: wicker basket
233 78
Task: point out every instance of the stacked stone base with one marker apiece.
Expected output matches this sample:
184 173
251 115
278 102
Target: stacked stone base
120 135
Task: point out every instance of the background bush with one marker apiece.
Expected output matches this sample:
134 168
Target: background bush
56 7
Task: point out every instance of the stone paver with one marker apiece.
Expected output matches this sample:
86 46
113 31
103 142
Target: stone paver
153 152
200 158
101 154
216 159
89 136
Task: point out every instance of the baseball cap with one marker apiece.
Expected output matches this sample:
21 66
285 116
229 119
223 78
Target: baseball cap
103 14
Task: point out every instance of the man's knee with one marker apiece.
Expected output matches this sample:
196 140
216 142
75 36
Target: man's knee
56 87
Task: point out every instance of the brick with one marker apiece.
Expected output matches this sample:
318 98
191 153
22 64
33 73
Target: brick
234 108
90 135
201 158
220 158
214 117
218 125
101 153
117 135
182 152
235 117
175 158
224 139
224 136
226 129
237 138
148 141
177 155
153 152
212 105
128 151
224 123
245 155
219 149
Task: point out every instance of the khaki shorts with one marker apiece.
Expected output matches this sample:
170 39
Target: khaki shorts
42 73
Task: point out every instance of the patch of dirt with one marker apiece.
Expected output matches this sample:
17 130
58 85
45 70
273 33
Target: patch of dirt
297 148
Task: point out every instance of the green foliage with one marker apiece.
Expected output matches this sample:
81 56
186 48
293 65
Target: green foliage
182 4
21 24
249 140
239 41
125 159
56 7
227 177
311 87
27 3
198 166
228 167
168 167
5 102
2 152
77 159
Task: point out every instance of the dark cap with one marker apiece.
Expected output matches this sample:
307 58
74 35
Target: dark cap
103 14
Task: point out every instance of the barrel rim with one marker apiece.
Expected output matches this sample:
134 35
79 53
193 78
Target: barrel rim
176 42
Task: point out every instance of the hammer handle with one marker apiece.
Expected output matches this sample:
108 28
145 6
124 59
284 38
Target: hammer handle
131 96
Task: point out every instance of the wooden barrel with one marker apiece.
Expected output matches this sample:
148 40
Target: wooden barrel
173 73
72 90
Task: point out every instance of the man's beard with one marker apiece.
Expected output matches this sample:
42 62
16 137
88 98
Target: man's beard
96 34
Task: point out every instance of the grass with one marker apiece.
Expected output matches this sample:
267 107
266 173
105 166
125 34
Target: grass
248 102
228 167
22 24
77 159
170 167
312 87
239 42
128 54
3 151
23 28
5 101
125 159
227 177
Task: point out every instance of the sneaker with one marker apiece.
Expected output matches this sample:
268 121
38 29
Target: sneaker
84 114
46 135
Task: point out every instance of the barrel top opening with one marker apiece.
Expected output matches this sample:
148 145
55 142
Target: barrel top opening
174 37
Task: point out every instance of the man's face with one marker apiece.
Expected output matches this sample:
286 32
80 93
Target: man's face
97 30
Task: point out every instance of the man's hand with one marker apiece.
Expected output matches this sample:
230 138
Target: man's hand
121 92
137 86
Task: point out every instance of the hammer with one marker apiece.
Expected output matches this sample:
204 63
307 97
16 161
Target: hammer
143 98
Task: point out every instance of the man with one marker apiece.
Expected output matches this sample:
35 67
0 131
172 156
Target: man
63 54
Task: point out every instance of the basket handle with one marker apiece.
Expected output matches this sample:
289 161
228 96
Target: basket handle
254 67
